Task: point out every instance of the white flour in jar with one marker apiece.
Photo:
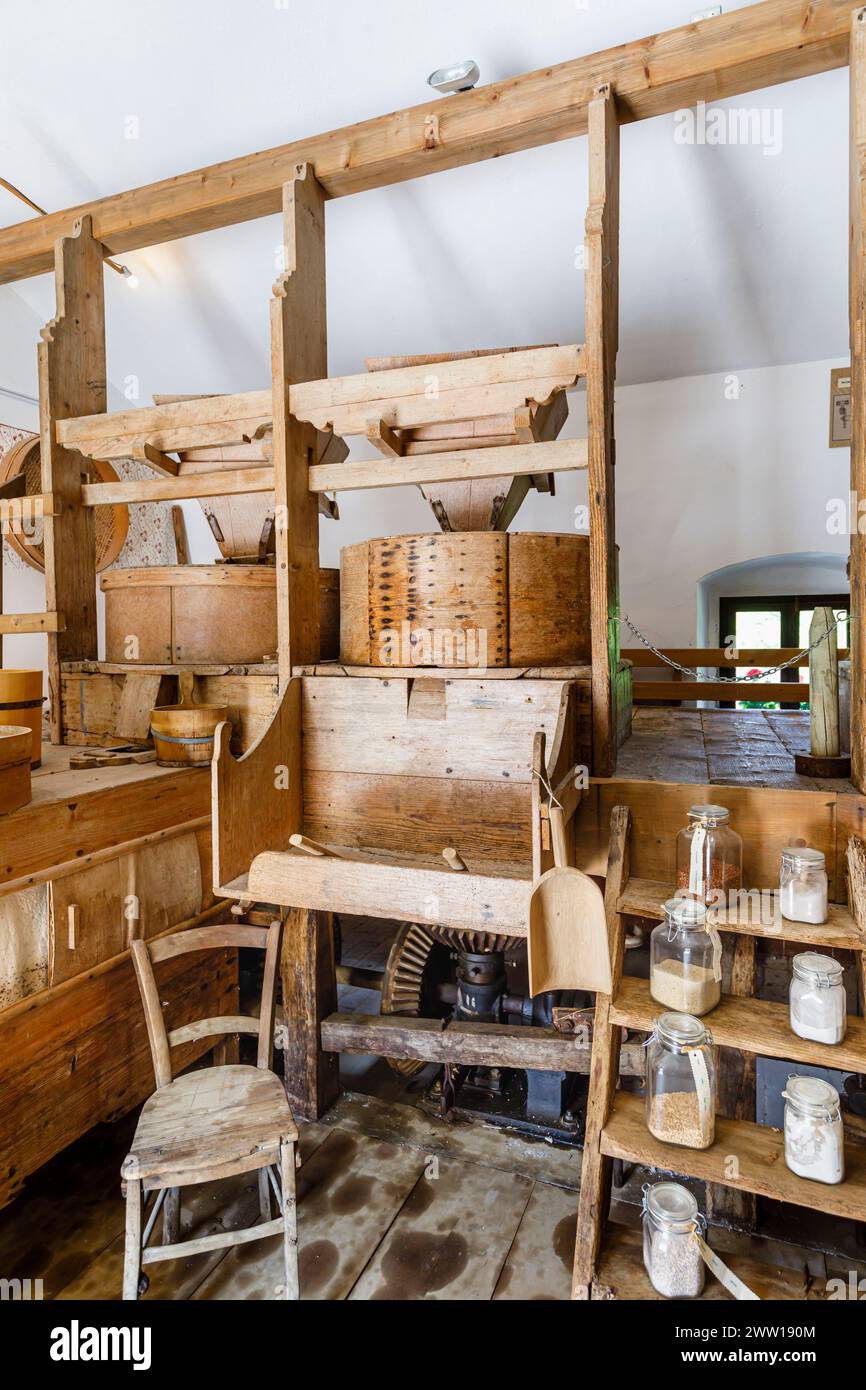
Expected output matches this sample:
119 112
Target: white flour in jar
803 903
818 1014
814 1146
676 1267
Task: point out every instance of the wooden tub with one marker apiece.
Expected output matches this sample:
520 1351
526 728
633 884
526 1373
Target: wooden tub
207 613
474 599
15 752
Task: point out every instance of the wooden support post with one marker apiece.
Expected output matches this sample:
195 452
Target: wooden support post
71 382
309 996
602 327
595 1175
857 287
823 685
299 352
731 1206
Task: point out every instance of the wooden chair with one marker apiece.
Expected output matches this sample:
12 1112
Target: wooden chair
211 1123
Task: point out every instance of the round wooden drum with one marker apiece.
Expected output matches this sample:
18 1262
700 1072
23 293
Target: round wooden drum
207 613
466 599
112 523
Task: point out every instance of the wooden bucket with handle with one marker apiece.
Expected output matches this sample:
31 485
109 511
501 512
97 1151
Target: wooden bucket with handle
183 734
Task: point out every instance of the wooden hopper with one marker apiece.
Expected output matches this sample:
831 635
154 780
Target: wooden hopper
243 524
466 599
483 504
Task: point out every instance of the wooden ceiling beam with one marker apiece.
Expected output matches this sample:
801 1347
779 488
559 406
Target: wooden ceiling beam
765 44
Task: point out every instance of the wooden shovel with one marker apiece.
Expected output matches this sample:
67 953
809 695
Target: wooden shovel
567 931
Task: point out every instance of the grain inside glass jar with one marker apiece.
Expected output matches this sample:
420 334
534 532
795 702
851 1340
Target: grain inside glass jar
686 959
681 1082
709 856
671 1254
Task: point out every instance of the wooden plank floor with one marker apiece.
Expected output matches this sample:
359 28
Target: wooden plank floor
740 748
378 1219
393 1205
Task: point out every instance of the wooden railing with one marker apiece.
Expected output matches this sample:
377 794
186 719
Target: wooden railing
684 688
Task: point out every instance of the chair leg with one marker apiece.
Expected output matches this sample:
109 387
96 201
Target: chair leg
264 1194
171 1216
132 1249
290 1222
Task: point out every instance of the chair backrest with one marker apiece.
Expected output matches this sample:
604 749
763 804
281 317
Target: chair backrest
145 954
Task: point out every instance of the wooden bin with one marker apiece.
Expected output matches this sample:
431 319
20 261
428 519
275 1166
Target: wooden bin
15 744
466 598
208 613
21 701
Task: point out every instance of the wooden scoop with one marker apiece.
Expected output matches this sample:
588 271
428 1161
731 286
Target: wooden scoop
567 935
567 939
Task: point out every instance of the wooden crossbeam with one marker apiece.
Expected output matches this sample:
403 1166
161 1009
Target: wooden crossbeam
739 52
226 483
461 1043
17 513
558 456
779 691
402 398
198 422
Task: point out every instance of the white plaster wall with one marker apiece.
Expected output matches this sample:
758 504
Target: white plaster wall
24 588
704 481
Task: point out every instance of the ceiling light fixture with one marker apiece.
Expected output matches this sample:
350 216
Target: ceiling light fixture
131 279
458 77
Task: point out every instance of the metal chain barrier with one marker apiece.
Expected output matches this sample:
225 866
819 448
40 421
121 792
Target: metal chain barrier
728 680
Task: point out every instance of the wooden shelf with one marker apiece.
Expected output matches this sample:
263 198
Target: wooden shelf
752 1025
621 1274
759 1153
645 897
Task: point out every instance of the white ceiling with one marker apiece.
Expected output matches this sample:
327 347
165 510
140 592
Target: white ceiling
730 258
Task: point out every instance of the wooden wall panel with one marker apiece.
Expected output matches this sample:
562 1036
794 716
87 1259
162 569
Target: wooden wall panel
166 880
76 1055
766 818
